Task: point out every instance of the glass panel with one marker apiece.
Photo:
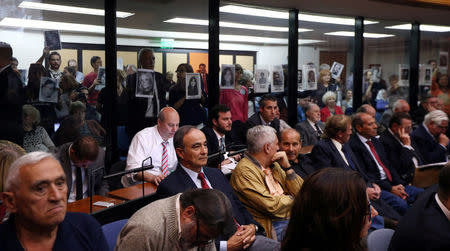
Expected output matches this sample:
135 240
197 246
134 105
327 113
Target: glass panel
173 60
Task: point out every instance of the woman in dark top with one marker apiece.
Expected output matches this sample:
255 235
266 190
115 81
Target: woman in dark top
324 83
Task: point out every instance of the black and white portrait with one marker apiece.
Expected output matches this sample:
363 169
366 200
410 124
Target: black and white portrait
101 77
376 73
277 79
403 72
145 83
336 70
48 91
299 80
227 79
425 72
310 82
261 81
443 60
52 40
193 88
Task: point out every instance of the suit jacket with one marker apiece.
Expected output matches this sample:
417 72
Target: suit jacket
428 147
400 157
424 227
308 134
369 166
179 181
255 120
12 98
213 145
100 185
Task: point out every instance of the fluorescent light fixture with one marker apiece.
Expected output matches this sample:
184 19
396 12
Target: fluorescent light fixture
180 20
69 9
423 27
352 34
98 29
241 10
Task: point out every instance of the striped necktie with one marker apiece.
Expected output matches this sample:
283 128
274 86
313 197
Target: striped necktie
165 159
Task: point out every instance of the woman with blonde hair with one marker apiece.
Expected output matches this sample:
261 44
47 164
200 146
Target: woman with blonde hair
325 84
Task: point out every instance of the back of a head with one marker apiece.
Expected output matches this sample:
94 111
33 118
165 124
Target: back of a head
329 212
212 208
5 53
335 124
444 183
9 152
258 136
85 148
436 116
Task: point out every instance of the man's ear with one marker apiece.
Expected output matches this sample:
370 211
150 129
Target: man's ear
9 200
214 121
180 152
267 148
188 213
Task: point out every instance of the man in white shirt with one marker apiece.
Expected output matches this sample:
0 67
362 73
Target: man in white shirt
155 142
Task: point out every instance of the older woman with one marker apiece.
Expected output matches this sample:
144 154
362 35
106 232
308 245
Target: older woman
237 98
35 137
324 84
331 212
330 108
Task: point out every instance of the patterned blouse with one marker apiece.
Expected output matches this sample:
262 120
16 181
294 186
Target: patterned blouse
37 140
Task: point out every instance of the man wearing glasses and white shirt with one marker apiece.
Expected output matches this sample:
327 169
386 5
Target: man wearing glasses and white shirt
155 142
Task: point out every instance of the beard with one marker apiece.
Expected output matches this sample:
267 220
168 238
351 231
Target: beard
187 236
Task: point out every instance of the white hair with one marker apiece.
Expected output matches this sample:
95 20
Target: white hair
28 159
328 95
258 136
141 51
436 116
247 75
398 104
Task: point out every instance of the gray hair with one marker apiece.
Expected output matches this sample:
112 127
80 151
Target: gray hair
247 75
436 116
310 106
28 159
142 52
328 95
259 136
398 104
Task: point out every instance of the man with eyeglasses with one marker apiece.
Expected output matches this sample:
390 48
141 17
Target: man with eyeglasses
79 160
399 148
186 221
430 137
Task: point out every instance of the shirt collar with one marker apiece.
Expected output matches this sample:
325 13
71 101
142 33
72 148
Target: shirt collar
426 129
253 160
263 121
337 144
362 138
442 206
192 174
217 134
159 139
395 136
177 207
311 123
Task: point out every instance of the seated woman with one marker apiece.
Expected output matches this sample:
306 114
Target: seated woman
9 152
331 212
35 137
330 108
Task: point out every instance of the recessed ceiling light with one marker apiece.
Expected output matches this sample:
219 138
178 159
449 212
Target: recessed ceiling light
86 28
422 27
70 9
257 12
203 22
352 34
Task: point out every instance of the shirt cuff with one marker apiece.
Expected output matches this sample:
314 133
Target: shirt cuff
291 176
223 246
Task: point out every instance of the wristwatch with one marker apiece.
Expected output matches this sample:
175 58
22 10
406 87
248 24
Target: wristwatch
286 169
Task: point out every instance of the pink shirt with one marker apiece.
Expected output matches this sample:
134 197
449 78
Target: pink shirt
237 102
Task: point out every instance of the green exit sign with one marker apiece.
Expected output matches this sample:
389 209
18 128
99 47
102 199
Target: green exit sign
167 43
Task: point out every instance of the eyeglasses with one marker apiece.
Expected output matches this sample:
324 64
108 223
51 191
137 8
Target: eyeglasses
201 242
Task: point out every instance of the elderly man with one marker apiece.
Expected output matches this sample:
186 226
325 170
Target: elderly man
400 149
400 105
371 156
187 221
266 115
155 142
265 181
190 144
36 197
82 161
145 110
312 128
427 225
290 143
432 143
12 98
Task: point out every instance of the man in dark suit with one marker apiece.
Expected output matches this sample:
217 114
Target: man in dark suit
12 98
399 148
430 137
80 160
266 115
144 115
426 226
312 128
370 154
290 143
191 147
218 136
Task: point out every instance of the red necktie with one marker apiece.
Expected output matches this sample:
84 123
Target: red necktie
372 149
202 179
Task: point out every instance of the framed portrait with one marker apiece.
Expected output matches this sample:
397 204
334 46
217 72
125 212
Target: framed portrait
101 77
145 83
227 78
277 79
310 81
336 70
48 91
52 40
403 72
261 81
425 75
193 86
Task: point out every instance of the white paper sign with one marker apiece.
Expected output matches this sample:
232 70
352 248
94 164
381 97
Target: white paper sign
227 78
425 72
277 79
403 73
336 70
261 80
193 89
309 78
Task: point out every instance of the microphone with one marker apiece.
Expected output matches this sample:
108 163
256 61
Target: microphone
237 152
142 171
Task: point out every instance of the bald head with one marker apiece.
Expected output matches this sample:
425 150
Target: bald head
366 108
168 122
290 143
401 106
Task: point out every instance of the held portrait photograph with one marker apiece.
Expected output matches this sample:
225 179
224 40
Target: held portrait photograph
403 72
336 70
310 82
145 83
261 81
193 88
277 79
48 91
299 80
101 77
227 78
52 40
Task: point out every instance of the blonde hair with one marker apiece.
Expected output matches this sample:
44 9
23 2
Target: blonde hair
9 152
323 73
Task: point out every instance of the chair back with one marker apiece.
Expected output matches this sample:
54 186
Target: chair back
379 239
112 231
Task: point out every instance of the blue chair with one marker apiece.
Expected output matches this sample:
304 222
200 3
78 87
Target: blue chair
111 232
379 239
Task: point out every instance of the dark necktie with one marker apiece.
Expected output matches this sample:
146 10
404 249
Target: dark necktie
78 183
222 143
372 149
319 132
349 158
202 179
